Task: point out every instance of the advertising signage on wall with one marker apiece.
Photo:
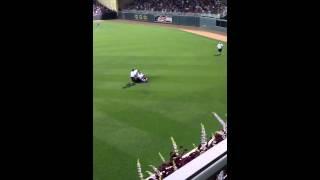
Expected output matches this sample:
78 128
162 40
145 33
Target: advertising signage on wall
163 19
141 17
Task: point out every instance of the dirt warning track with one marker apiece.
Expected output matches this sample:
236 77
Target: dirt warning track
210 35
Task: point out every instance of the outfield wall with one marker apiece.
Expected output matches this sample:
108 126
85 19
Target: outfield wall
97 17
205 22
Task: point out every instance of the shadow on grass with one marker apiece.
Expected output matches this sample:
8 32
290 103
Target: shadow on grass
130 84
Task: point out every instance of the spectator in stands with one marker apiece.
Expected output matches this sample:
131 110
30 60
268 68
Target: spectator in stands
104 12
183 6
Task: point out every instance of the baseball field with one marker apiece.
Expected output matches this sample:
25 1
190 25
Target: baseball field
188 81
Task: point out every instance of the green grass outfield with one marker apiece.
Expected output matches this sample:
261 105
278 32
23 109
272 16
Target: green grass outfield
187 83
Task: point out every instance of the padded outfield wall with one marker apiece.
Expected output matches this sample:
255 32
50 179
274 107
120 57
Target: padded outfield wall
205 22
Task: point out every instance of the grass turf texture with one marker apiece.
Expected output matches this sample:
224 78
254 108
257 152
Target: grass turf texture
187 83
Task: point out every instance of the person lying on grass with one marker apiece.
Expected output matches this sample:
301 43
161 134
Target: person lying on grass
133 75
137 76
142 77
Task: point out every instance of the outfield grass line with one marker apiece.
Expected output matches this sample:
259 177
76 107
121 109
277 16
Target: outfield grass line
176 109
167 118
151 116
123 139
122 136
103 154
166 25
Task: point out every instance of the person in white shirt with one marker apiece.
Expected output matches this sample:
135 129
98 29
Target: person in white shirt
136 72
219 47
133 75
142 77
137 76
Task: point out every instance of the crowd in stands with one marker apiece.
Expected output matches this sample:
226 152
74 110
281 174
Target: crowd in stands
97 8
184 6
101 10
177 160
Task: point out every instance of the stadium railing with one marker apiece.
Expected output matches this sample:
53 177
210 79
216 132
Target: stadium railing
207 160
205 165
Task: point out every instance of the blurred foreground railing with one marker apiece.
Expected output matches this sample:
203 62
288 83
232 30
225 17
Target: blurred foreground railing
201 163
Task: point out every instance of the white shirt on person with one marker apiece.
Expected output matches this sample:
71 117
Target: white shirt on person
133 73
140 75
220 46
136 72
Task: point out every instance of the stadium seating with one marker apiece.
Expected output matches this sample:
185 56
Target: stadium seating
102 11
185 6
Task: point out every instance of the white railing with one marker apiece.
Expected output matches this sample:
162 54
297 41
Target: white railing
193 169
209 158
